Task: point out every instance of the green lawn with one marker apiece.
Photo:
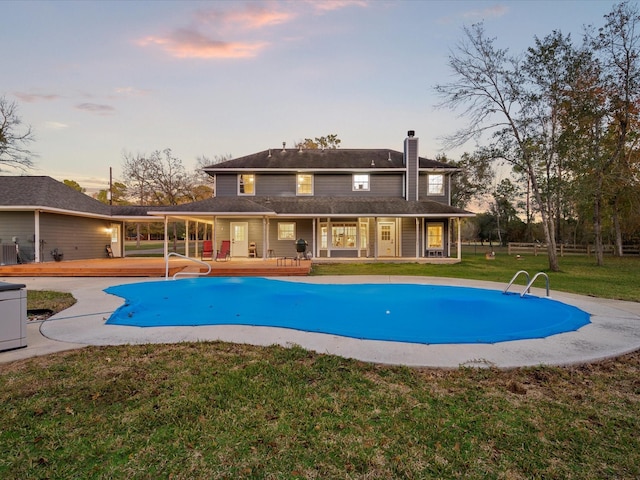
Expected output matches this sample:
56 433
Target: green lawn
216 410
619 278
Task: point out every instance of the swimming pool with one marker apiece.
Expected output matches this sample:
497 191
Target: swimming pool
427 314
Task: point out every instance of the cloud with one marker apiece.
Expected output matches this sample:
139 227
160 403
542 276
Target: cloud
494 11
330 5
185 43
131 92
96 108
55 125
36 97
252 17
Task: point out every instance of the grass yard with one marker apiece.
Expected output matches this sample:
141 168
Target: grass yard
215 410
618 278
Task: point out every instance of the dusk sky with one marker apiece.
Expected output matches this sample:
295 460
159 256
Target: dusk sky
96 79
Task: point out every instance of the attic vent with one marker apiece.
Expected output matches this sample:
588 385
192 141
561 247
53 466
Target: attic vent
284 146
300 148
269 153
373 163
389 156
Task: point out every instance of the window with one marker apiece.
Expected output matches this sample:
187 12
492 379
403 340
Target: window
304 185
436 184
361 181
343 235
246 184
434 236
286 231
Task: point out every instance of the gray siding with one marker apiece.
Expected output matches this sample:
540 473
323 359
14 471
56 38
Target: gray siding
22 226
226 185
77 238
287 248
408 237
325 185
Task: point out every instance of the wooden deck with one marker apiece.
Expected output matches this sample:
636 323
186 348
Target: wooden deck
155 267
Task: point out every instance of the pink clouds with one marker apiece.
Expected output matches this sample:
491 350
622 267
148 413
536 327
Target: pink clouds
236 32
36 97
96 108
192 44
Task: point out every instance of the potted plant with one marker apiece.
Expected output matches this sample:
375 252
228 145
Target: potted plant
57 256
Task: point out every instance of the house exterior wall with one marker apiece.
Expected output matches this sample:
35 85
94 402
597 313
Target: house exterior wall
22 226
78 238
324 185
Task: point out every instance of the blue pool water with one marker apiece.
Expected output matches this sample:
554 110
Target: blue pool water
395 312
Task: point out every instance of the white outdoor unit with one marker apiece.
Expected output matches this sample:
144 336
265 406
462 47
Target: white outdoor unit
13 316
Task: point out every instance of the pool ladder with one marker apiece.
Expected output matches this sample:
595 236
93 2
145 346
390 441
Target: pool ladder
529 282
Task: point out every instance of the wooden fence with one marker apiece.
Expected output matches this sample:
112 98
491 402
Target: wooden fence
536 248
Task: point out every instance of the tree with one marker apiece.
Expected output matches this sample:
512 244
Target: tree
14 139
617 47
473 180
514 103
75 185
330 141
118 194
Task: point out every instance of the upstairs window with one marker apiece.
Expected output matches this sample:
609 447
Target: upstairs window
361 181
304 184
246 184
436 184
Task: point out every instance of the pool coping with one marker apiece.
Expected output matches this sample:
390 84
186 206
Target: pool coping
614 329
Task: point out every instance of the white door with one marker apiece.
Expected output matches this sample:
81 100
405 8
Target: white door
116 244
387 239
239 239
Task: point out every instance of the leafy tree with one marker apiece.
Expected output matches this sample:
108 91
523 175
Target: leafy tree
118 194
473 180
502 99
330 141
14 138
75 185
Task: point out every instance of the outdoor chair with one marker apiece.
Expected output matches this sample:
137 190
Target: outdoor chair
207 250
224 253
253 250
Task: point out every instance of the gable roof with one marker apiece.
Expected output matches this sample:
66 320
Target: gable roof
41 192
328 159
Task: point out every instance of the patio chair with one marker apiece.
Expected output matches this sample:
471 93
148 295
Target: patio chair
253 250
207 250
224 253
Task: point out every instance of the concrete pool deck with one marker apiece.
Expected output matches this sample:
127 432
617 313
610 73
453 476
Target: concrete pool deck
614 329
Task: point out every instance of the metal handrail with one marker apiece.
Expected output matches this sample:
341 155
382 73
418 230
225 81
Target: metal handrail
528 287
166 266
514 279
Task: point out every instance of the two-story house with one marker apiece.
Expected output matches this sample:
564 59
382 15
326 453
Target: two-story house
345 203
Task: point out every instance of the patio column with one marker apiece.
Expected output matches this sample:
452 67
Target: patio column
186 238
36 238
417 238
166 236
459 238
265 239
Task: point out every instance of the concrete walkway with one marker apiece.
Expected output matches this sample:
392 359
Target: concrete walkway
614 329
